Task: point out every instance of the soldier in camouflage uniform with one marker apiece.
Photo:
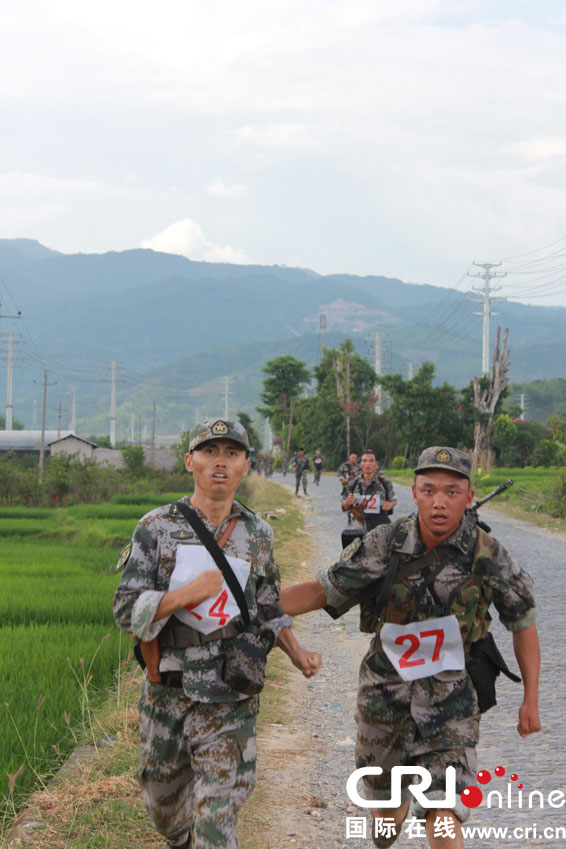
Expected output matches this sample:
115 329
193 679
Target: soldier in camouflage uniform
370 496
318 464
198 736
301 466
347 471
442 565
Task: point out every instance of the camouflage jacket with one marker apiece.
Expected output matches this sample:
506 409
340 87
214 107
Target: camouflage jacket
301 464
377 484
349 472
149 563
448 695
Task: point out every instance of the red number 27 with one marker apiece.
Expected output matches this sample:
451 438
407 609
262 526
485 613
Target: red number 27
415 643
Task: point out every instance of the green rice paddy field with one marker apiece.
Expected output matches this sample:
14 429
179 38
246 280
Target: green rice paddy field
59 647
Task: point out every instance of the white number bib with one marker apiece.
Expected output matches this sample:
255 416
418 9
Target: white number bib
210 614
422 649
371 503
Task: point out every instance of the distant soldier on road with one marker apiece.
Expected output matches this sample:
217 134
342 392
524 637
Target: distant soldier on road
284 462
348 470
370 497
300 468
318 463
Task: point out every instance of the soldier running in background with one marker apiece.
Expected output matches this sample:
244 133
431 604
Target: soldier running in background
347 471
318 463
370 497
301 467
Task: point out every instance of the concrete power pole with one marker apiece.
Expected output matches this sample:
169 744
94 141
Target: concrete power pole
321 333
42 438
74 408
378 371
113 407
523 402
9 381
226 395
153 436
486 298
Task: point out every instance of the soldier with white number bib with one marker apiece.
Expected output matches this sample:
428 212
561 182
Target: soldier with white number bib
424 585
370 498
197 729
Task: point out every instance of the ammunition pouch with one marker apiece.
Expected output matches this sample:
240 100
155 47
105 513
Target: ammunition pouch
484 662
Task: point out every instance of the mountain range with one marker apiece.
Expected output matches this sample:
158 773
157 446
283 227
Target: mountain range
176 329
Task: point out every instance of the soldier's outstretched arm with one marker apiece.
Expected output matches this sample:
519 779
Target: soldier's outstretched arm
307 661
301 598
527 652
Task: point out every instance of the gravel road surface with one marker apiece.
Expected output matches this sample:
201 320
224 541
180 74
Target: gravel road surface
325 707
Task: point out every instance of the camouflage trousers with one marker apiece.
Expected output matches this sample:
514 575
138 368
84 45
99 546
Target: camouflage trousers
301 478
430 722
198 764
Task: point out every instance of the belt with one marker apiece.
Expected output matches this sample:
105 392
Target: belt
183 636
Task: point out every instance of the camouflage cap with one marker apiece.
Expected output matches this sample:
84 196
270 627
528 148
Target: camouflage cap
218 429
439 457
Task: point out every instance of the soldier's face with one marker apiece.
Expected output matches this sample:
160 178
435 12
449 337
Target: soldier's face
218 467
352 459
442 497
368 464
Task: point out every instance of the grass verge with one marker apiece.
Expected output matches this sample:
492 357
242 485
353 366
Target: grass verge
94 801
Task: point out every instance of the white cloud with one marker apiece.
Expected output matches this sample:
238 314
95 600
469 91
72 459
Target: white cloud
187 239
276 135
220 189
538 149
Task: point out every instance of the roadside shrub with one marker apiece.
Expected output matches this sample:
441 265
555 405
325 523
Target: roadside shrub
398 463
556 504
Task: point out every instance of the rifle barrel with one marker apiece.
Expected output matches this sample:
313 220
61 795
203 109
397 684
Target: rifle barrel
501 488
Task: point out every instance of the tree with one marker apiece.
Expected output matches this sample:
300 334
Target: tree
16 425
134 460
285 379
321 421
504 434
423 414
246 421
486 395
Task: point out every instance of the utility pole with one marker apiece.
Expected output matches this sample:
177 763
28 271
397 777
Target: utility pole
42 438
74 408
523 399
139 430
153 436
9 376
378 371
113 407
226 390
9 380
410 372
321 333
59 411
348 421
486 298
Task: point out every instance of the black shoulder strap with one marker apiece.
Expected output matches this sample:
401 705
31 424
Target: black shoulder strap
218 555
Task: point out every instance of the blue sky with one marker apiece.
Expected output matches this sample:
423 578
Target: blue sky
397 137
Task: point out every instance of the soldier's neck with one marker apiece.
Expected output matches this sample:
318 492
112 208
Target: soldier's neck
215 511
